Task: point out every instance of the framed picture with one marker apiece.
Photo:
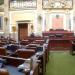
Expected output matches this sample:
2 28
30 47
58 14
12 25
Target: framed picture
57 4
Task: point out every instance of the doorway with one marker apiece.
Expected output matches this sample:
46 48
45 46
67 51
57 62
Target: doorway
22 31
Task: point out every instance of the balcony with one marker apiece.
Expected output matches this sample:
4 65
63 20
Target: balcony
57 4
23 4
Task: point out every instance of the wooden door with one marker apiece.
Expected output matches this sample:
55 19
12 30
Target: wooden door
22 31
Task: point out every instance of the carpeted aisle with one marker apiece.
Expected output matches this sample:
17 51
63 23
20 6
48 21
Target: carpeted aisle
61 63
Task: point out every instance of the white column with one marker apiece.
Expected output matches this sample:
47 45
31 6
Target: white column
65 20
69 20
71 17
35 23
43 22
39 12
39 23
6 17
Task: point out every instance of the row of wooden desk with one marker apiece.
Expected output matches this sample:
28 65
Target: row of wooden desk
60 39
62 32
17 58
61 43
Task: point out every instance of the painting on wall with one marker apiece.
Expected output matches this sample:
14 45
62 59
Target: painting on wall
57 22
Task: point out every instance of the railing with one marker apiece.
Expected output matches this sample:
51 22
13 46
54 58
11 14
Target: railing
23 4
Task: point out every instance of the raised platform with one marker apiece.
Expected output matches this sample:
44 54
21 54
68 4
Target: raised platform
60 39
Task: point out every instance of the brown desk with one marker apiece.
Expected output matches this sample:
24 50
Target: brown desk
14 62
72 51
54 32
61 43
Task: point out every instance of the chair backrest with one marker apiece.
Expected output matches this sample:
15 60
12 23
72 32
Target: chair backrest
3 51
24 42
25 53
4 72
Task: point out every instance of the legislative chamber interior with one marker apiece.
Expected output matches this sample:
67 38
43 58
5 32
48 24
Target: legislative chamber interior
37 37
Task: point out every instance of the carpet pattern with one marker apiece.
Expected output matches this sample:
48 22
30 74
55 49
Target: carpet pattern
61 63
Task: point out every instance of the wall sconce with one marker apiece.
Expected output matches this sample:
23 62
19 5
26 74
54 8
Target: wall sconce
14 28
6 20
32 27
57 16
74 18
39 18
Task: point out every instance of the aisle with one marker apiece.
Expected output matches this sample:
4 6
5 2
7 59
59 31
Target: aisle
61 63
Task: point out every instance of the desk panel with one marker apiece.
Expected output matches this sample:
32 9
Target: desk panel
60 44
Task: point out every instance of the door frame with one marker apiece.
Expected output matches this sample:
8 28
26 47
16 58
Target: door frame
23 21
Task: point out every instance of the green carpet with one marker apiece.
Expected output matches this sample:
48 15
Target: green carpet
61 63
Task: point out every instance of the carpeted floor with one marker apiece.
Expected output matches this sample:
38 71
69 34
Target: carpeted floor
61 63
14 71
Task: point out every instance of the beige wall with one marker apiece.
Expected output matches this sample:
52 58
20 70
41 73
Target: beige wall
15 16
32 15
22 16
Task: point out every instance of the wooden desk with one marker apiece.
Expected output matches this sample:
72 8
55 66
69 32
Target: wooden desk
15 62
72 51
60 43
59 39
42 63
54 32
